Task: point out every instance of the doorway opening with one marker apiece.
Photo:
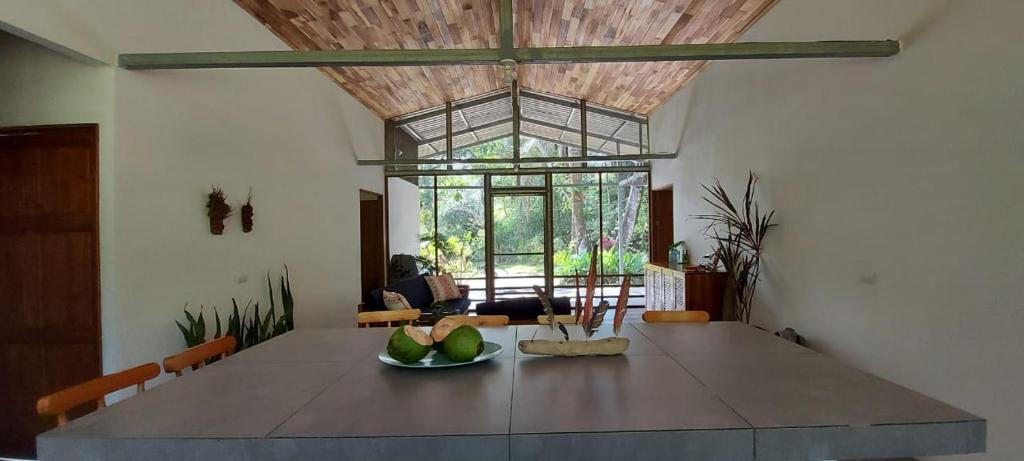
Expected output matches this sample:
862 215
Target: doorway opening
372 241
662 230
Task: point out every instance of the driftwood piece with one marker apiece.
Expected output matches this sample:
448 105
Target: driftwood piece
606 346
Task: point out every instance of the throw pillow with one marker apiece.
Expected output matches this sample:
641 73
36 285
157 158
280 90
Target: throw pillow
395 301
443 287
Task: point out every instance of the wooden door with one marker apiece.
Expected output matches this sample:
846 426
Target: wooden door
371 241
49 276
661 224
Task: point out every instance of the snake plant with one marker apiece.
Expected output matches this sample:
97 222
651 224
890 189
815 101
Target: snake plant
248 329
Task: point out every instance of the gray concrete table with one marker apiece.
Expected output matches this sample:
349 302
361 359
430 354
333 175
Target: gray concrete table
721 391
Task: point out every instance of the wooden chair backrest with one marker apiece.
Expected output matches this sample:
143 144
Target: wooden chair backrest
195 357
564 319
676 317
58 403
483 320
364 319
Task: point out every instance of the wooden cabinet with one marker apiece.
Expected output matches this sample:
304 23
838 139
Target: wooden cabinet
670 288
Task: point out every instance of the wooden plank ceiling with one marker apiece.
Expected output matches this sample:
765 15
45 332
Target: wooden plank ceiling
433 24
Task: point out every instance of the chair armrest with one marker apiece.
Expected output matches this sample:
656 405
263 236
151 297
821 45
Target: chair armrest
464 290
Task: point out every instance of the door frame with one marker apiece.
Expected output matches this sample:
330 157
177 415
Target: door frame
661 254
383 256
92 132
524 191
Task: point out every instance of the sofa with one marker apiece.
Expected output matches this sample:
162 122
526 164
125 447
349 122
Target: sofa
418 293
523 310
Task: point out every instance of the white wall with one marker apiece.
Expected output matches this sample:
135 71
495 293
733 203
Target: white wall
290 134
897 184
403 217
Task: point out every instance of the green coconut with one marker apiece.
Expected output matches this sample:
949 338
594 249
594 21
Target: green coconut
463 344
409 344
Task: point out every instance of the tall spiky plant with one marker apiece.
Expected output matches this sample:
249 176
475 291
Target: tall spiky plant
739 235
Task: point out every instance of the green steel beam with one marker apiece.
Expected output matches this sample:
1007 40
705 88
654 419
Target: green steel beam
327 58
477 161
506 27
710 52
512 171
363 58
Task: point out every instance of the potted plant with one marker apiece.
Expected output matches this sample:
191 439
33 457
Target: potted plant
739 235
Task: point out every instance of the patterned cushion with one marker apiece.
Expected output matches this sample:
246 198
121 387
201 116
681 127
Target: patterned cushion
444 287
395 301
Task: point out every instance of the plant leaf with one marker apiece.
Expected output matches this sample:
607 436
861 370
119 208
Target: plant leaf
216 315
185 333
201 327
287 301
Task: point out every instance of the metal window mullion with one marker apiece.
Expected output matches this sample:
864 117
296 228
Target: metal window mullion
600 228
488 240
650 247
549 235
448 131
641 130
437 217
515 121
583 129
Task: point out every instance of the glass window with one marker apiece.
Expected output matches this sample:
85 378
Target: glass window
549 126
421 135
426 233
611 132
625 239
519 180
482 127
575 218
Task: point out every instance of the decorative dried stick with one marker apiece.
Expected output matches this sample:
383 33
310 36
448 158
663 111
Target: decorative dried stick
588 305
548 309
597 319
579 304
620 306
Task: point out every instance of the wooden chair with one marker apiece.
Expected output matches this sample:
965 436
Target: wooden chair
364 319
565 319
676 317
195 357
483 320
58 403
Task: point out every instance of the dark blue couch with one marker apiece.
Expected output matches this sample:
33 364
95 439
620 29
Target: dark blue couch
417 292
523 308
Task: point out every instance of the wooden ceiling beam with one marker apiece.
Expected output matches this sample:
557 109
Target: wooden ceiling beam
434 57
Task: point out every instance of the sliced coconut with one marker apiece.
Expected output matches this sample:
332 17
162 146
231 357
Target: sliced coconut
421 337
444 326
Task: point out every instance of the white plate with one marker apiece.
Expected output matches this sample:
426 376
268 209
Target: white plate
436 359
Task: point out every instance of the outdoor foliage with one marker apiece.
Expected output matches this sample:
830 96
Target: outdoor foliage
567 263
576 212
247 326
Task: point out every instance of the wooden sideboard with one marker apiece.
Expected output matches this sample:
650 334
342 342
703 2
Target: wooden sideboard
673 288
